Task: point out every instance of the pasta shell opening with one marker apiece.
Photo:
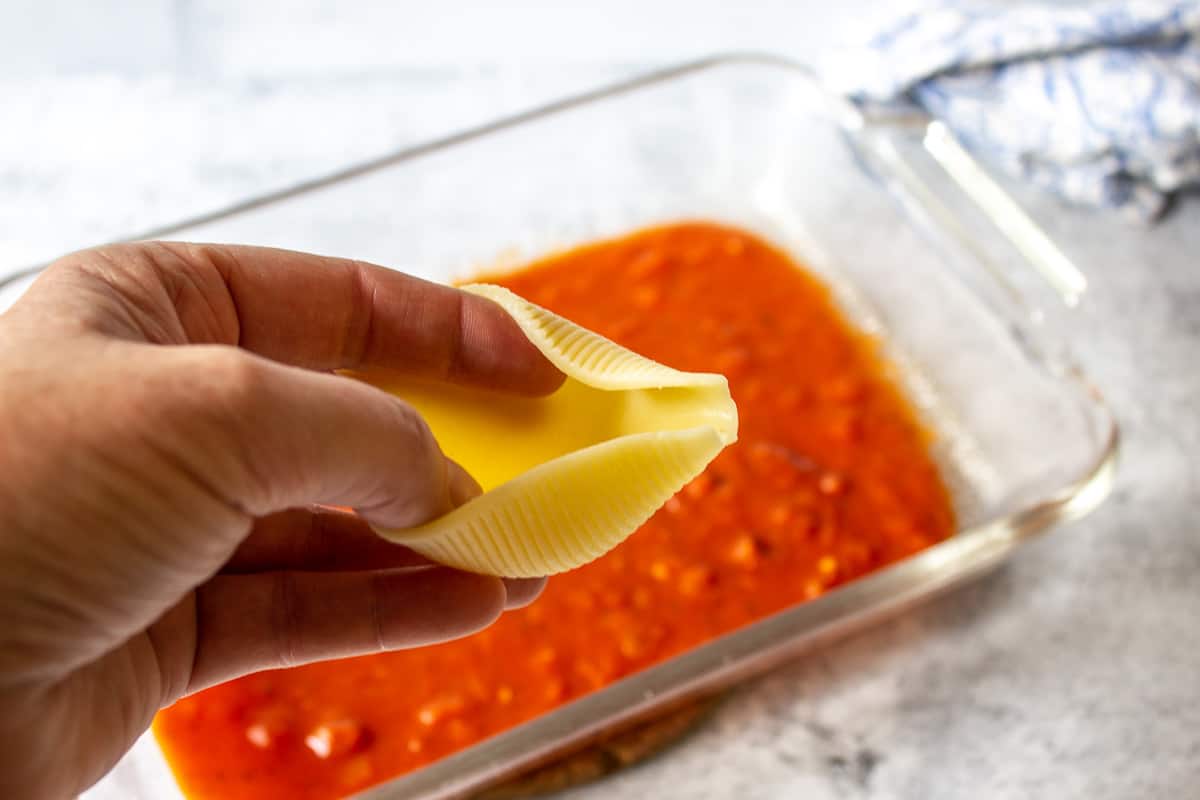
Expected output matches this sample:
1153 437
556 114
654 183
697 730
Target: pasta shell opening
568 476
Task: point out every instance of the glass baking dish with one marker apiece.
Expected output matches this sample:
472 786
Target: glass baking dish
971 301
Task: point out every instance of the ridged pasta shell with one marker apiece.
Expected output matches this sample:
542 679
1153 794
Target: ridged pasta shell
566 477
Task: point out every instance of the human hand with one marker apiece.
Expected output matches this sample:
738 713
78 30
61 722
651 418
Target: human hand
168 418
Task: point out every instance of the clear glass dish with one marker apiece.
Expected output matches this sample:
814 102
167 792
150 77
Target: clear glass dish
971 300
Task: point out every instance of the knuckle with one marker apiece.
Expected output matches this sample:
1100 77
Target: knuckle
287 624
131 289
456 336
359 330
422 446
238 378
420 491
119 265
379 587
423 455
218 402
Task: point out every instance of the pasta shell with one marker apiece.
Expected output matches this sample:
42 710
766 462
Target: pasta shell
566 477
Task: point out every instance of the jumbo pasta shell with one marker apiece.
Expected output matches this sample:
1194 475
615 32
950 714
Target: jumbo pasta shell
566 477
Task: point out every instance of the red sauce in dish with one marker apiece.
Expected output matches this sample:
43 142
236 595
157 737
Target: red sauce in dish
831 478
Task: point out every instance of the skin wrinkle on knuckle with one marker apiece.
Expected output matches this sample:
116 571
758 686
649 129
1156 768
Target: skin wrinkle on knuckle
143 288
225 261
428 492
28 656
314 539
102 274
137 477
358 344
115 482
377 585
173 677
456 341
175 449
287 623
237 375
181 447
189 288
170 268
229 412
131 705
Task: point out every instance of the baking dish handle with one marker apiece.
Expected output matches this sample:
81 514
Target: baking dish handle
996 246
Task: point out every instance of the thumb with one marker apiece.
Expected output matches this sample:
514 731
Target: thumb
281 436
199 442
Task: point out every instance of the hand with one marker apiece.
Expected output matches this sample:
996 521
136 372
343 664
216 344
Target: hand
168 418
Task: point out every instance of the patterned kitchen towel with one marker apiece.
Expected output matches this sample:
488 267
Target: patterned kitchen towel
1099 102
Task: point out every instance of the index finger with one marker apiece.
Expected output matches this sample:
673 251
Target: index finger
334 313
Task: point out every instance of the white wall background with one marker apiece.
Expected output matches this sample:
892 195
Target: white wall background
227 38
117 116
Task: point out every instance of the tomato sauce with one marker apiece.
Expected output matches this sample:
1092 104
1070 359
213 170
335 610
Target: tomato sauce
831 479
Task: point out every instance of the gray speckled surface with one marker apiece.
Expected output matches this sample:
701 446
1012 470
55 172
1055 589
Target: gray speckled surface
1072 672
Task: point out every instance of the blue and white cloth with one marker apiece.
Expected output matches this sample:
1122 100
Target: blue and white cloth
1099 102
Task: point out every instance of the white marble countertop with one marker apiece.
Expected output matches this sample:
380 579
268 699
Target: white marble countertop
1074 672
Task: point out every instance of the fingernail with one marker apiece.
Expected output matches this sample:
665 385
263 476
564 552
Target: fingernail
522 591
462 486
